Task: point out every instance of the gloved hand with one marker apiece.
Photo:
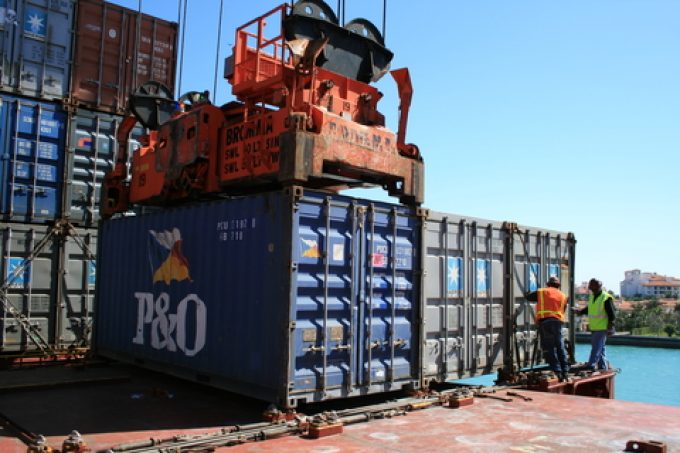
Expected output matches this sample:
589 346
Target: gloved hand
611 331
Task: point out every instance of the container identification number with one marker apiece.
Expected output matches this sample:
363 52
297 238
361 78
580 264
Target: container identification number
234 229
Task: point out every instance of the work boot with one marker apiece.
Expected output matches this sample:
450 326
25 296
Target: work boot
564 377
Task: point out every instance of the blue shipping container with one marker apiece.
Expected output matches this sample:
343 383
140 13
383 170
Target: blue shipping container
92 148
35 44
284 296
31 159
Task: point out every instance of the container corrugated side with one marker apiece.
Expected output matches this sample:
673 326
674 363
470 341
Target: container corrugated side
91 148
281 296
35 40
116 51
55 292
476 273
32 160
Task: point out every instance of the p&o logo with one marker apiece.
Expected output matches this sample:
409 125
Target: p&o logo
167 261
182 329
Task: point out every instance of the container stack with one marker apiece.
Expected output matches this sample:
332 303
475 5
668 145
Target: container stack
67 69
292 295
290 292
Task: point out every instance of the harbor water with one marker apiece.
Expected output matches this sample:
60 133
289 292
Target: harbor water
647 375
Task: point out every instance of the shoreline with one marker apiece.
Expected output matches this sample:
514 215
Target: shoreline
634 340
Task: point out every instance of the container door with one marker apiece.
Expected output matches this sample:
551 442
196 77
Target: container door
463 297
35 43
30 292
46 49
387 305
92 146
74 310
324 298
117 50
34 160
539 254
99 56
485 260
444 301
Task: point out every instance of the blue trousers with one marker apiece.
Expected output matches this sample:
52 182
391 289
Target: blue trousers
598 358
552 344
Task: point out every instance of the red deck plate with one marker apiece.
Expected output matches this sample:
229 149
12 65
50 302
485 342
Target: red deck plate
548 423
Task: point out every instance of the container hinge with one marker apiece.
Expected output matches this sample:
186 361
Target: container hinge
292 325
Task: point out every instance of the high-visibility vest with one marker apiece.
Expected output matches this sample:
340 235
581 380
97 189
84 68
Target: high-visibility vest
597 315
551 302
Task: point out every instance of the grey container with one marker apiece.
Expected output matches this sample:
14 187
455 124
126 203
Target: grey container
55 292
91 150
476 273
36 41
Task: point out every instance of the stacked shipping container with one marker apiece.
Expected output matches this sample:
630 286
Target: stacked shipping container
67 68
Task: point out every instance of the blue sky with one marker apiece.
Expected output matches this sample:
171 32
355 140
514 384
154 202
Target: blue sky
556 114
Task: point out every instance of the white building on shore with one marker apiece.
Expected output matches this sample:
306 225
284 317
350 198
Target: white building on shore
649 284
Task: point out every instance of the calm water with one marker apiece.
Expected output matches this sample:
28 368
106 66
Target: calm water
648 375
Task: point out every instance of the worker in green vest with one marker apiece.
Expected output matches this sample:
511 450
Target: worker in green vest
601 315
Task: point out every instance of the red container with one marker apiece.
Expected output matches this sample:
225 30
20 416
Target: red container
109 40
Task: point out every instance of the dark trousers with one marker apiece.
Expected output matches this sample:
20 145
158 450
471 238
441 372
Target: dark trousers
552 344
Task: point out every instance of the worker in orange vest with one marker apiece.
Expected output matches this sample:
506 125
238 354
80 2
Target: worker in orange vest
551 304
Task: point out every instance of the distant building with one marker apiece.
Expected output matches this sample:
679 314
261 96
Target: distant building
581 291
649 284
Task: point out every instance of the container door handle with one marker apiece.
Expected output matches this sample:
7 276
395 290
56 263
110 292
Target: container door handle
399 342
314 349
342 347
376 344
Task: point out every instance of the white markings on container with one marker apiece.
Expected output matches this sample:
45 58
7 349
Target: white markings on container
234 229
169 330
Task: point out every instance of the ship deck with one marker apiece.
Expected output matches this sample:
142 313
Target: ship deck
114 405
